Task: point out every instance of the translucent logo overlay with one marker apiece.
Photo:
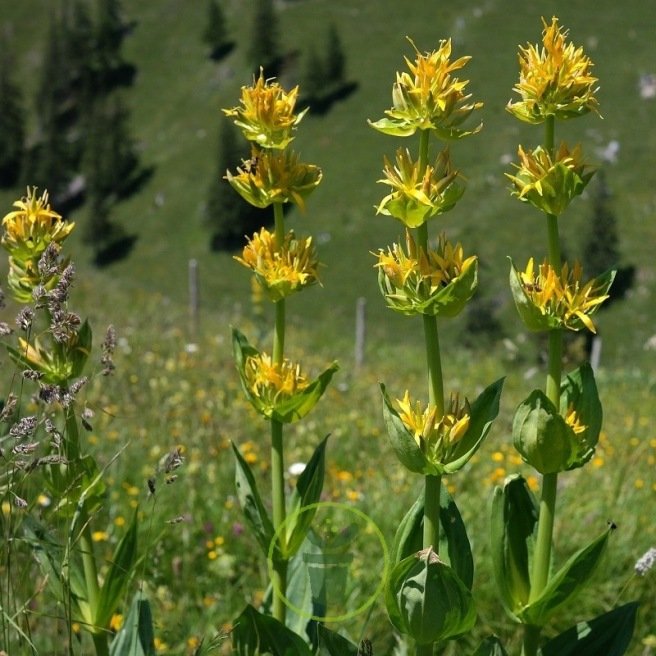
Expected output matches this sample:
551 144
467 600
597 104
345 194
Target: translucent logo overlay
341 567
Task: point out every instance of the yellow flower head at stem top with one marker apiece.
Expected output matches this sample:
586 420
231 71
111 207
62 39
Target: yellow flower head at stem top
429 98
274 177
266 114
554 80
281 270
547 299
32 226
436 282
550 184
435 436
417 197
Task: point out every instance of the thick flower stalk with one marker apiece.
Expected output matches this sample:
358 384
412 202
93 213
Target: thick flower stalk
548 299
419 195
436 282
551 434
555 80
267 113
550 183
27 233
281 270
282 265
429 97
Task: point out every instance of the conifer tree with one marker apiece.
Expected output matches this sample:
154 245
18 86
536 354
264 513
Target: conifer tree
215 34
335 62
12 120
226 214
264 49
51 161
601 245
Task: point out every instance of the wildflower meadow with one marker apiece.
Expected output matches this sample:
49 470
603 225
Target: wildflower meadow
245 483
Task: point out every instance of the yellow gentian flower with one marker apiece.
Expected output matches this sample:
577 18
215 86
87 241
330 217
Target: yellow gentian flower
547 183
438 281
266 115
32 226
548 299
429 97
435 436
416 197
281 270
275 177
554 80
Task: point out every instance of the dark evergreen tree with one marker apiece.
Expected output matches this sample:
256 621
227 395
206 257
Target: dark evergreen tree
215 34
51 161
81 50
335 62
110 31
264 49
228 216
12 120
314 77
601 241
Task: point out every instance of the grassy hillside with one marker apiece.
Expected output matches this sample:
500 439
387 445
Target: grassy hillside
178 94
201 571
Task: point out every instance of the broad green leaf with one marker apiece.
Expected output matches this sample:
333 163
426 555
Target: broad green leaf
608 634
118 576
256 634
333 644
409 536
308 491
455 549
251 503
491 647
135 637
484 411
513 527
567 582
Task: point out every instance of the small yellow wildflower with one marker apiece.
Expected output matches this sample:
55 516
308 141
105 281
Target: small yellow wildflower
429 98
281 270
116 622
547 183
271 382
554 80
266 115
160 645
100 536
32 226
562 300
435 436
119 521
417 196
274 177
415 281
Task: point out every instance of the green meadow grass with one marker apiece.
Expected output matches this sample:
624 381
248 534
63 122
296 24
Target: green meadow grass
201 570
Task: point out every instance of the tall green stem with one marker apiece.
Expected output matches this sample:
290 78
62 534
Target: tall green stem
432 484
544 540
277 455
